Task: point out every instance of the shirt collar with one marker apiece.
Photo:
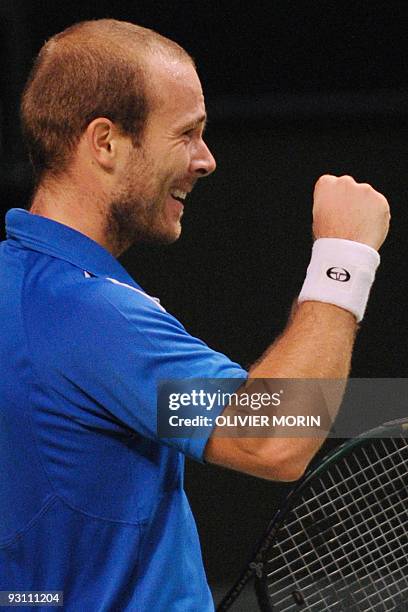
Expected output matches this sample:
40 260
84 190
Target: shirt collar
57 240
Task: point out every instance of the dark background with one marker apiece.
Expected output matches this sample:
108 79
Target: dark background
294 89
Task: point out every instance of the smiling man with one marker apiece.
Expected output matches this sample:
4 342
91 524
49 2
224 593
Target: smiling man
91 499
148 89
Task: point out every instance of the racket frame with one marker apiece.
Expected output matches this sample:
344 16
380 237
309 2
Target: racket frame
255 568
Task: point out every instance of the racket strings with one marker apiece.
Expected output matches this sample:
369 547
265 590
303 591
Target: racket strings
370 574
336 488
361 560
354 570
344 547
391 545
343 507
366 559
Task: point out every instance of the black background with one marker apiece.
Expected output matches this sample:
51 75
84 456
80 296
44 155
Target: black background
294 89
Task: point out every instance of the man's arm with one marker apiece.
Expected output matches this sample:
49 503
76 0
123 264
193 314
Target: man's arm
317 342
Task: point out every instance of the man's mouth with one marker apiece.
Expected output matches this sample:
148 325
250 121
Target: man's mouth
179 195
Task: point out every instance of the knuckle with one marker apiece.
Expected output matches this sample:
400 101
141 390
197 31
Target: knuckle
346 178
382 202
325 179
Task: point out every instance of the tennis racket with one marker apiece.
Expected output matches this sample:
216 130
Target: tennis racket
339 542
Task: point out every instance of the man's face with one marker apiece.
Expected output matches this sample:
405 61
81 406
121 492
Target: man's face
173 155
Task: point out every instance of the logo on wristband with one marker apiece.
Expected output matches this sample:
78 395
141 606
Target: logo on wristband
338 274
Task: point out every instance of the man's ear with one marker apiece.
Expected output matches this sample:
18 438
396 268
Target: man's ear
103 142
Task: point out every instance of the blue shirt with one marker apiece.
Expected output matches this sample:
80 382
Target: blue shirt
91 502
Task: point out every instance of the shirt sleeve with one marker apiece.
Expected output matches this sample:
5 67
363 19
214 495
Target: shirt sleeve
114 344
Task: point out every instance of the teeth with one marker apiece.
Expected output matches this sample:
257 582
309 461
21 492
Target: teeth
177 193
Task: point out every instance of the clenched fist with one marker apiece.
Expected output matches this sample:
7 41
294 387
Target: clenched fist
353 211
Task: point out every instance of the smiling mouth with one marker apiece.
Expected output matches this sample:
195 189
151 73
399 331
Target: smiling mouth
179 195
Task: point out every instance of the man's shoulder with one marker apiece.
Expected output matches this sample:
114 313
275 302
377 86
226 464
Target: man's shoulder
125 294
58 289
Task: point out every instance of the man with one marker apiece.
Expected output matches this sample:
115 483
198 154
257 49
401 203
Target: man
92 502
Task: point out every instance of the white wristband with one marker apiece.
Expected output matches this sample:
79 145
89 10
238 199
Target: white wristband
340 272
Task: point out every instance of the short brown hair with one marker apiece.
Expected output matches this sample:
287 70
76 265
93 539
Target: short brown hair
92 69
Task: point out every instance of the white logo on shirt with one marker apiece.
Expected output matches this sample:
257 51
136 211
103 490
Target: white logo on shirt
149 297
116 282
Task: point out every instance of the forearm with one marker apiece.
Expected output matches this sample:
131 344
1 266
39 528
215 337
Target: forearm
319 338
317 343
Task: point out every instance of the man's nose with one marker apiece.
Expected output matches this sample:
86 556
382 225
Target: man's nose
203 162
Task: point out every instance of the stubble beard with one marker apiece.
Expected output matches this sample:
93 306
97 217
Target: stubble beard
137 215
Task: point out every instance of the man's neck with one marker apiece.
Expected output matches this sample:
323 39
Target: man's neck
72 207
